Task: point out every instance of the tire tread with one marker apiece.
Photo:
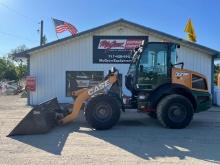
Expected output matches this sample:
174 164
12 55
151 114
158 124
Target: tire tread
162 104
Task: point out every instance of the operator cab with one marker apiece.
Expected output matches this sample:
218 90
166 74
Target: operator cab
151 66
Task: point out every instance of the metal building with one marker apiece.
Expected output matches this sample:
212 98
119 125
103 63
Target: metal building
54 62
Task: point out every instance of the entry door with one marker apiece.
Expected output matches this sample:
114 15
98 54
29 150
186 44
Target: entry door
152 68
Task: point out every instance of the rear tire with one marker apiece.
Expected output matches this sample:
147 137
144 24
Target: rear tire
175 111
102 112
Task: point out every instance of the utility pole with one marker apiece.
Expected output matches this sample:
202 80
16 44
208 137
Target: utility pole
41 32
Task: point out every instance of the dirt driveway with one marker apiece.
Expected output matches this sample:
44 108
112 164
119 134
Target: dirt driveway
136 139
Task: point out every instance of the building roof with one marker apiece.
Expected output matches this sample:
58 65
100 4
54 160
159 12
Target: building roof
123 21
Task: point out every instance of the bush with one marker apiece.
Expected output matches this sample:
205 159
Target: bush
217 71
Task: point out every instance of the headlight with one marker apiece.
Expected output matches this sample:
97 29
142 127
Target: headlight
141 97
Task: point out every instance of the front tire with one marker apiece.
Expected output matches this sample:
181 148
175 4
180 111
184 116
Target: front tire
175 111
102 112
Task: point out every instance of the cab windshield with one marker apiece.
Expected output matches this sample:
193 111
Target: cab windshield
135 59
151 66
154 59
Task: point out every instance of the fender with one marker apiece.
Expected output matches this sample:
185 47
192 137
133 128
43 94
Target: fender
118 99
112 94
170 88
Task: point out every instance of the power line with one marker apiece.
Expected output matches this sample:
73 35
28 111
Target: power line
36 21
17 36
2 52
18 12
22 15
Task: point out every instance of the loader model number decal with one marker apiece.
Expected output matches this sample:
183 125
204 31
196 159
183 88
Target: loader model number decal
99 87
181 74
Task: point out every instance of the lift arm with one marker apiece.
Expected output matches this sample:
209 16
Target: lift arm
84 94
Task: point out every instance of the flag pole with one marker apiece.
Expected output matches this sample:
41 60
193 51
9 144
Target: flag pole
54 27
57 36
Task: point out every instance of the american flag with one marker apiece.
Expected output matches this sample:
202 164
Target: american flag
62 26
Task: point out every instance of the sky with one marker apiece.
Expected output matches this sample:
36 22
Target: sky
20 18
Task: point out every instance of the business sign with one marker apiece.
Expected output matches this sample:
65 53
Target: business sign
115 49
30 83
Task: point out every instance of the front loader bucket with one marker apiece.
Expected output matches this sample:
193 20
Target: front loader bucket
40 119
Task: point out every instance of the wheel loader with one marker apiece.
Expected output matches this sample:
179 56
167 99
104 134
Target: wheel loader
159 85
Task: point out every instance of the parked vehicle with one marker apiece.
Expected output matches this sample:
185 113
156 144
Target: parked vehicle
158 87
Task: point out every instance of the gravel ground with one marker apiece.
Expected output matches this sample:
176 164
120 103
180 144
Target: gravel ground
136 139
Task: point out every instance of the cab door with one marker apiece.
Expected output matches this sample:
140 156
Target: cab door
152 67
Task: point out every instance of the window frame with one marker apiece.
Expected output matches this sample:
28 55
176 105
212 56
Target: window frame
72 71
205 81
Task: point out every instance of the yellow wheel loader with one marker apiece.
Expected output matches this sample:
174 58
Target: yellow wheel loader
159 86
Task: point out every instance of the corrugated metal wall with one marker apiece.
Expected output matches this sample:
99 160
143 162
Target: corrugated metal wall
50 65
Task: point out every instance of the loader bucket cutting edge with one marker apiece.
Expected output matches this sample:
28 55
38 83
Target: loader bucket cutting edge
41 119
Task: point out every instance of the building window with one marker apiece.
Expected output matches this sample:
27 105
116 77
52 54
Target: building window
199 82
82 79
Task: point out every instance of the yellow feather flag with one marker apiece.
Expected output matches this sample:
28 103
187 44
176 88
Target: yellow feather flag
190 30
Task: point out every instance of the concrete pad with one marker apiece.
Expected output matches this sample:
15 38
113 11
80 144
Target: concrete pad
136 139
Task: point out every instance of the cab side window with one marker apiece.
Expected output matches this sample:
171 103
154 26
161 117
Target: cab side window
199 83
173 55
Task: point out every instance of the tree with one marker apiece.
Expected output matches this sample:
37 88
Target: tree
13 68
3 66
21 70
44 40
7 69
18 49
216 72
10 74
21 67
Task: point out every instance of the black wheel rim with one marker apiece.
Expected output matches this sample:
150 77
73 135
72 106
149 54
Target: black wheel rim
177 113
103 112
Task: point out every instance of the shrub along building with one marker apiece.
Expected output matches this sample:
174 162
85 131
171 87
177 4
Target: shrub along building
82 60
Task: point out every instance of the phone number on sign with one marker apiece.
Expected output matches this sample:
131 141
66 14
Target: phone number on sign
119 56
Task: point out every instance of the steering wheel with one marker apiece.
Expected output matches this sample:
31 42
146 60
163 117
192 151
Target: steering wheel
150 72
